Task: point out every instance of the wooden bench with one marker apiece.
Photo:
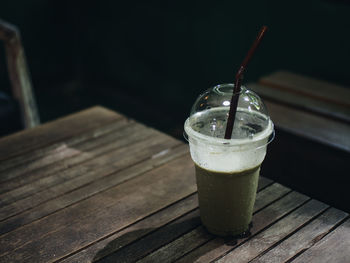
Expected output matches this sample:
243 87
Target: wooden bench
308 107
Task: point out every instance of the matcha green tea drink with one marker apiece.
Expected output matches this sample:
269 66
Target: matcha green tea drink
227 171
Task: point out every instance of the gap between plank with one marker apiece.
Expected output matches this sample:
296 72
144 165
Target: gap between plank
82 186
317 239
263 229
75 140
65 168
258 210
74 156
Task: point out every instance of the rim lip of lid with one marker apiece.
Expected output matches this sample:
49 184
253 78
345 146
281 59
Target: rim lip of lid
269 134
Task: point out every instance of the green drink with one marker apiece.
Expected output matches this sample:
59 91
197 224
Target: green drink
227 171
229 210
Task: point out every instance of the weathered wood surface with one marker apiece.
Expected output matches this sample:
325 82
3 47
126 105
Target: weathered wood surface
307 107
199 236
305 124
313 88
113 244
304 238
61 129
333 248
36 159
269 237
161 237
85 171
217 247
118 191
299 101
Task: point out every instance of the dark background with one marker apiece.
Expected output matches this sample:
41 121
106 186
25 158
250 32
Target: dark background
139 56
150 59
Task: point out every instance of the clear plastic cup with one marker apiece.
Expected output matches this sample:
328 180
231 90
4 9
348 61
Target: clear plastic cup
227 171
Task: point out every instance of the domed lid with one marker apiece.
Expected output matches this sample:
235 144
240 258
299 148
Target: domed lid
209 115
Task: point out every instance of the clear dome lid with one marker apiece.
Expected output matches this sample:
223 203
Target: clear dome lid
209 115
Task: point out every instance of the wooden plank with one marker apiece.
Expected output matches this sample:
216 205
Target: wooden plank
156 239
275 233
218 247
65 151
26 185
264 182
112 178
121 239
304 238
316 128
174 250
306 86
84 223
160 237
269 195
78 165
49 187
199 236
332 248
48 150
87 152
299 101
51 132
134 232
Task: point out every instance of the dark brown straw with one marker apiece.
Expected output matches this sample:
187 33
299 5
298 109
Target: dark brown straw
238 82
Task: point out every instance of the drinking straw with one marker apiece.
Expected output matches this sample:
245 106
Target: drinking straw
238 82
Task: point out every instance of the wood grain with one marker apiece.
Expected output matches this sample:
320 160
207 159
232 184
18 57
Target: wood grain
160 237
264 182
299 101
66 155
199 236
159 241
83 164
332 248
270 194
60 129
156 239
98 183
304 238
218 247
306 86
135 231
261 242
121 239
128 193
181 245
100 215
38 156
316 128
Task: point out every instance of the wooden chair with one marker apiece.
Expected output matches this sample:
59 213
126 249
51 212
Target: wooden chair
19 74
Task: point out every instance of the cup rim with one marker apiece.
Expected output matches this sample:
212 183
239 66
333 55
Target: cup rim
189 134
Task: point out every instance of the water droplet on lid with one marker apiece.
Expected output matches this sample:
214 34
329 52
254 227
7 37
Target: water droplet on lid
213 124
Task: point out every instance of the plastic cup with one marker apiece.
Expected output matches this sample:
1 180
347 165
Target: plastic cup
227 171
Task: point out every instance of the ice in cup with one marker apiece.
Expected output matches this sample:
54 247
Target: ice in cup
227 171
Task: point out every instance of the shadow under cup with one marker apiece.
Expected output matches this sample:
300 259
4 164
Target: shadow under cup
227 173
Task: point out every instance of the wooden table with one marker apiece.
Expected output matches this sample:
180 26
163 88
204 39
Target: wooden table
98 186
